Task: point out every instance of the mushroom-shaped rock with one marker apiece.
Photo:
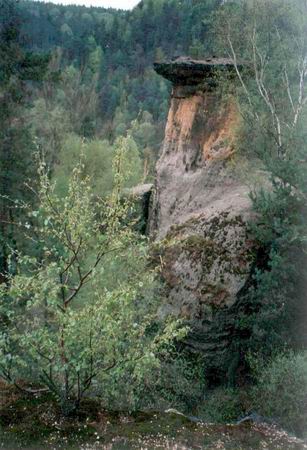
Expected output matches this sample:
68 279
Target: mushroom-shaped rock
185 71
201 205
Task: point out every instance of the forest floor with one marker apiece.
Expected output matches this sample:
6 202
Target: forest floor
36 424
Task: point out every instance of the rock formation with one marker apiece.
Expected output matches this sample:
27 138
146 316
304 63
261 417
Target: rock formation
200 207
141 195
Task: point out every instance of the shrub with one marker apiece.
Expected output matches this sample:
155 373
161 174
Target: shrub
281 390
64 328
222 405
175 382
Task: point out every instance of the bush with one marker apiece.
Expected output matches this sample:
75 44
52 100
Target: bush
65 327
180 383
281 390
176 382
222 405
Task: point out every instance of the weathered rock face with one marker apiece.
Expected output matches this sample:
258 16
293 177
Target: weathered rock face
200 207
193 176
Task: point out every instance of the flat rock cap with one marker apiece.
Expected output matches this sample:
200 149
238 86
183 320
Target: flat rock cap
187 71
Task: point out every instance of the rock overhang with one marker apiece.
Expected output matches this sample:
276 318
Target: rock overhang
185 71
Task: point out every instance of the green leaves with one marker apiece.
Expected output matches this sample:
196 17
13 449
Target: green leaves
270 96
72 316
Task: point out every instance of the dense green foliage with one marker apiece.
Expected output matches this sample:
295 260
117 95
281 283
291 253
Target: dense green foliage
19 70
63 325
277 394
121 46
271 96
281 389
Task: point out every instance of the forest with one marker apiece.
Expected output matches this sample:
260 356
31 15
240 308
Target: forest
153 225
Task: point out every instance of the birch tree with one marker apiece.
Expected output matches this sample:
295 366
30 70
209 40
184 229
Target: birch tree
62 327
267 41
